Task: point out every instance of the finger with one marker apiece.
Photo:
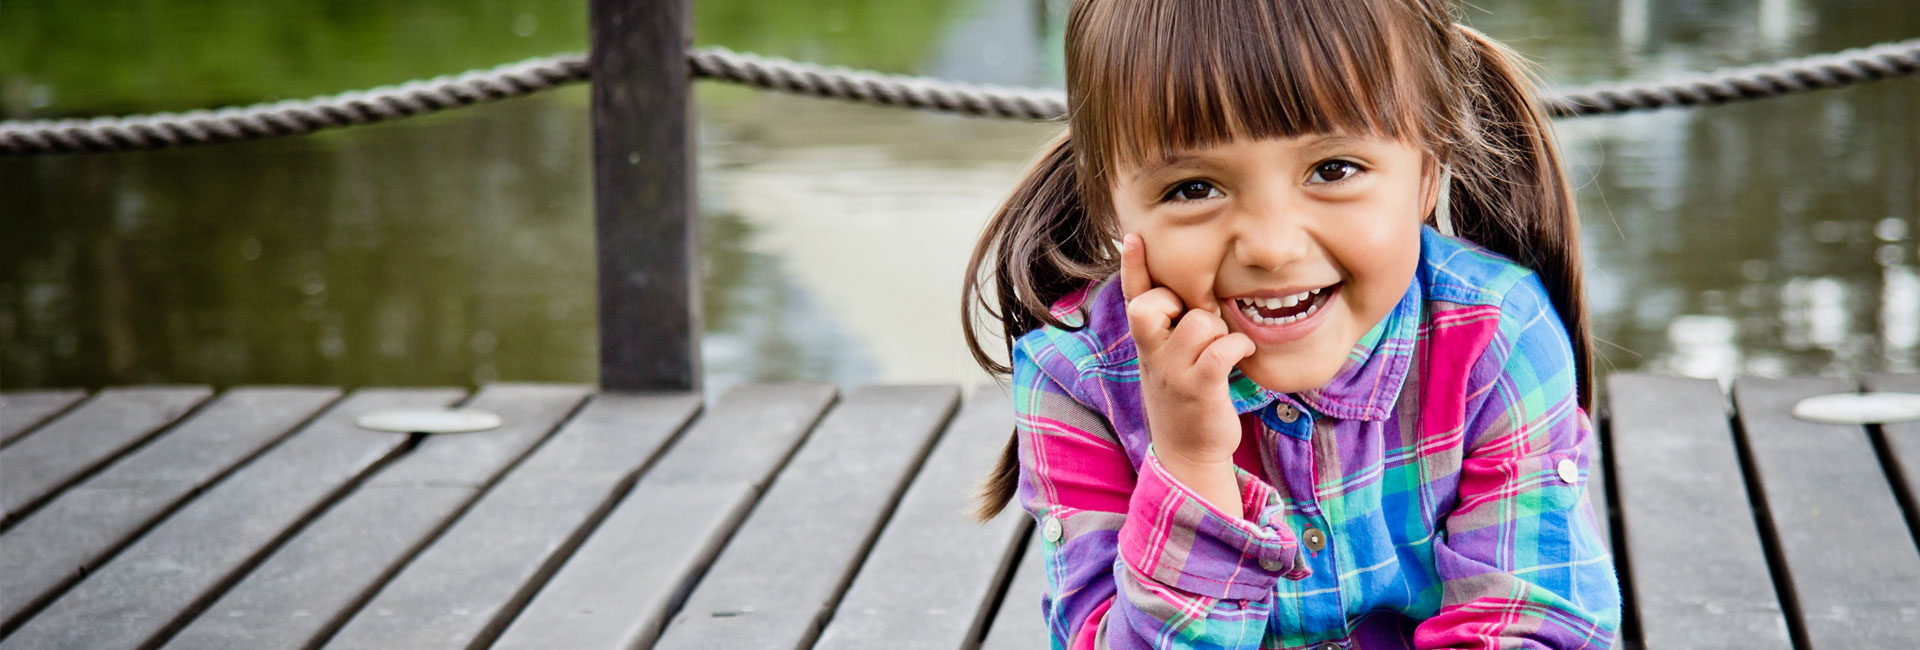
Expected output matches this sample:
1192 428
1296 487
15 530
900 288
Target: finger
1222 354
1150 318
1190 337
1134 279
1213 307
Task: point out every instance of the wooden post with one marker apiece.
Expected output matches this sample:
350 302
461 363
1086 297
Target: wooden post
645 220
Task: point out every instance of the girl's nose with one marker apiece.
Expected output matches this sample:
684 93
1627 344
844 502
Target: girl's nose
1269 234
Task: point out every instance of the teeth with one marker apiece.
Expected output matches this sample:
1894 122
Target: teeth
1251 307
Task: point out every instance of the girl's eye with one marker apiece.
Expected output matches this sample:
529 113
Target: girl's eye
1334 171
1193 191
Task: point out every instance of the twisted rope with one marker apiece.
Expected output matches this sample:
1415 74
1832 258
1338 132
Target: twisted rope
874 88
289 117
1818 72
420 97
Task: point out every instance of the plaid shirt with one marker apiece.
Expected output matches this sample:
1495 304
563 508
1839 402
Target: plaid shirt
1431 495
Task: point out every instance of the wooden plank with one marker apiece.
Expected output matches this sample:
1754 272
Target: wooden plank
780 577
309 586
1901 440
618 588
84 525
1021 623
900 599
189 556
68 448
1698 566
21 411
461 591
643 203
1843 543
681 527
529 412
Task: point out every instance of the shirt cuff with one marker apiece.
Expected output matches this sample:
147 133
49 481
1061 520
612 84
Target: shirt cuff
1178 539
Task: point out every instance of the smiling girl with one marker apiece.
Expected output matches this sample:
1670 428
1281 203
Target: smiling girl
1297 337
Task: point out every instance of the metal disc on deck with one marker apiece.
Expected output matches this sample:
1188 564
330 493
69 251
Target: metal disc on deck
430 420
1859 408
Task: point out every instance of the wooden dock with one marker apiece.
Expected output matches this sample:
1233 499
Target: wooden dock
798 516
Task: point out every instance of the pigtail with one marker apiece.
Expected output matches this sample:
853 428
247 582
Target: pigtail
1510 191
1040 246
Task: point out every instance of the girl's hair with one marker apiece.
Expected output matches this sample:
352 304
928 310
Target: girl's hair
1147 78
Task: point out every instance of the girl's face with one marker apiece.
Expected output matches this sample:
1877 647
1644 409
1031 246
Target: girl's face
1302 243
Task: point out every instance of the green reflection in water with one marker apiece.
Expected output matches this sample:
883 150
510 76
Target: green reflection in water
351 258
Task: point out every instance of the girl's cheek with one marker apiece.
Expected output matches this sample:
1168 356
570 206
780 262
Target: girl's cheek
1181 269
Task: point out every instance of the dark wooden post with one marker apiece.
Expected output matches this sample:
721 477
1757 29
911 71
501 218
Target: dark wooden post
645 220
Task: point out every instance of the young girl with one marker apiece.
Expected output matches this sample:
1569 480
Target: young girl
1297 338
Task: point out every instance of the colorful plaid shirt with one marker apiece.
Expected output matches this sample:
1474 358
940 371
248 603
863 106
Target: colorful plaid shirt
1432 495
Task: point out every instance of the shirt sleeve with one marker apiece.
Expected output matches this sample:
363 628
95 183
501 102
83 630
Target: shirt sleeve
1135 559
1522 560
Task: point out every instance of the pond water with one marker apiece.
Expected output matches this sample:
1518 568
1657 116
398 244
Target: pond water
1772 237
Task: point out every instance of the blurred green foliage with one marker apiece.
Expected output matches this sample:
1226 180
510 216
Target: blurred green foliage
62 57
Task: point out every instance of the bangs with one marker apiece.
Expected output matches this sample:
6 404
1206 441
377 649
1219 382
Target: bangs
1154 77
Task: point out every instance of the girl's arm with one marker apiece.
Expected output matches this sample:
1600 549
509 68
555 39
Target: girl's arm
1522 560
1134 558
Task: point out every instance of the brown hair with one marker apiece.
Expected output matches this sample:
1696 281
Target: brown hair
1148 78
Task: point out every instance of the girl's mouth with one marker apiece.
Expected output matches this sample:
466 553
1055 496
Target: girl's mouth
1284 319
1274 312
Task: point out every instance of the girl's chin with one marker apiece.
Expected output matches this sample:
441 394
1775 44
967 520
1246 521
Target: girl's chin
1306 361
1289 373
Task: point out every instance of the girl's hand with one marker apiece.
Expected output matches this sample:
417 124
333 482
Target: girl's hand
1185 356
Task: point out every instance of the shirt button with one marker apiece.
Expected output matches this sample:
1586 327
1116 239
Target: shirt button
1314 539
1569 472
1327 645
1286 413
1272 565
1052 529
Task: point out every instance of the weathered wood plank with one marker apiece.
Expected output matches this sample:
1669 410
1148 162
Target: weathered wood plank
781 575
1845 547
461 591
1902 440
66 449
1020 623
1698 565
78 529
308 586
619 587
529 414
22 411
932 576
187 557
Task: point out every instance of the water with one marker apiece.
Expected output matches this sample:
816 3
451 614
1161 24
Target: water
1773 237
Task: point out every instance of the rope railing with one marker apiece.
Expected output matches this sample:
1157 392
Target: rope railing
293 117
